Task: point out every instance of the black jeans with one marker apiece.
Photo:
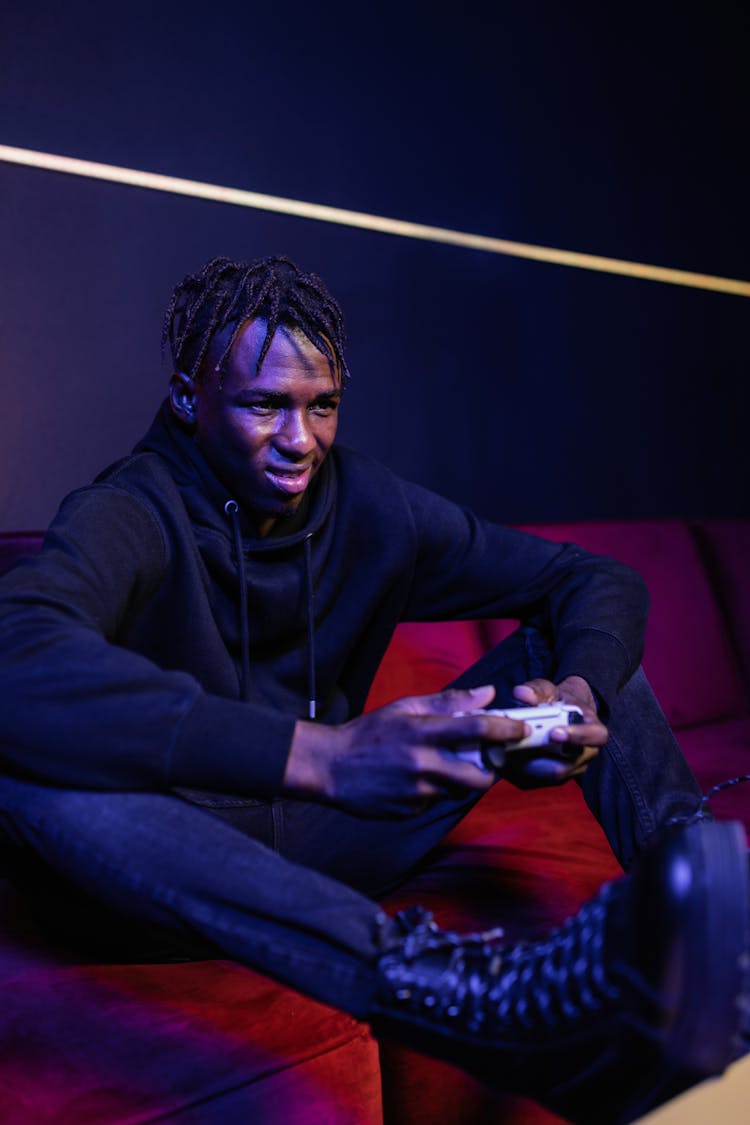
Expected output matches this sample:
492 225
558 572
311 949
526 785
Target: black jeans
289 887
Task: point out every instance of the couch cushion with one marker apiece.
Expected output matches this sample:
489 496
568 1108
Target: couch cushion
689 656
523 860
423 657
206 1041
719 752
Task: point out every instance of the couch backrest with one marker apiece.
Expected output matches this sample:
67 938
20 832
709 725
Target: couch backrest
725 548
690 656
698 637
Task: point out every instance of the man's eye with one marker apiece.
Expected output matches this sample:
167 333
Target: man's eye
262 408
325 408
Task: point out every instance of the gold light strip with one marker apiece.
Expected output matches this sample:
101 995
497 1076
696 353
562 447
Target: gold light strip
323 213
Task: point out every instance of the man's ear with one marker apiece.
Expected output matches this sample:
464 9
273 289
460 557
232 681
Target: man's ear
182 397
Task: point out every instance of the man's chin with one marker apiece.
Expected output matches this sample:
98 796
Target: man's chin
273 514
289 511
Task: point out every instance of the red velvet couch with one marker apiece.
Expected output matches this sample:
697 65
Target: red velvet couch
213 1042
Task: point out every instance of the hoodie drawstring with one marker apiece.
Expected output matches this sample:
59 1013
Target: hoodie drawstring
232 510
312 703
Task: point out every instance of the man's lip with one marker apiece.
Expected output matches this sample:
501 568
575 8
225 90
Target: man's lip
289 478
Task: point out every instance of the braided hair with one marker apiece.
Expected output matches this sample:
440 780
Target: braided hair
228 293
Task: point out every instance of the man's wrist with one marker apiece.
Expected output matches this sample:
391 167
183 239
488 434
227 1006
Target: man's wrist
308 766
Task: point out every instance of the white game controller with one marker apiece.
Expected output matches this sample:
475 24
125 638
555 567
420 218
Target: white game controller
541 719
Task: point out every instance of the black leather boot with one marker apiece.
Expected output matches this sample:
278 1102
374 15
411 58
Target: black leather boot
635 998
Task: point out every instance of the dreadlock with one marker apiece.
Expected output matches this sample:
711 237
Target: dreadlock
226 293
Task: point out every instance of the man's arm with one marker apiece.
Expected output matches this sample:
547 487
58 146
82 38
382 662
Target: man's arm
393 761
77 708
593 608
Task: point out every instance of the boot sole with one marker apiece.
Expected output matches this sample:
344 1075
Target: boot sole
718 977
716 972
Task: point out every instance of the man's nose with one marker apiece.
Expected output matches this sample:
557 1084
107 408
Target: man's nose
294 434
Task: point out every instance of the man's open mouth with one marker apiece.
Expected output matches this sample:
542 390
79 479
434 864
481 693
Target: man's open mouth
290 480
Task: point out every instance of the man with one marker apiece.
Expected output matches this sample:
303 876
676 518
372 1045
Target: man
199 636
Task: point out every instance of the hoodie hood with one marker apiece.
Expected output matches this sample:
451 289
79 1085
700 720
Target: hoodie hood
205 496
261 589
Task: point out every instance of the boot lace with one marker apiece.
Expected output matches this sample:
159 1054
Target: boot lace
703 808
476 982
562 978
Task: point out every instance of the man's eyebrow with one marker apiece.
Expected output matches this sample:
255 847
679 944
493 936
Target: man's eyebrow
335 392
258 394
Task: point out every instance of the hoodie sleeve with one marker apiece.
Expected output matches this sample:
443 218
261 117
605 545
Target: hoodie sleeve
593 607
78 709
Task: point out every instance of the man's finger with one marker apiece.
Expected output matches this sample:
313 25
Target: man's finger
535 692
448 702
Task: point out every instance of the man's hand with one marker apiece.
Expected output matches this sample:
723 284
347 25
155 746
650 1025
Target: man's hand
394 761
581 741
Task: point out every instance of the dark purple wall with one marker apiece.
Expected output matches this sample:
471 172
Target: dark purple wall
530 391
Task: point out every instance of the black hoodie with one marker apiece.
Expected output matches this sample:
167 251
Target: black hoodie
121 652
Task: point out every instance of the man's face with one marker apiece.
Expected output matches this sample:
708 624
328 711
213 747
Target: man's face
264 435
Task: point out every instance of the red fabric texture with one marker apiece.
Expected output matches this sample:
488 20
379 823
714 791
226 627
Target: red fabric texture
719 752
725 547
689 658
423 657
205 1041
